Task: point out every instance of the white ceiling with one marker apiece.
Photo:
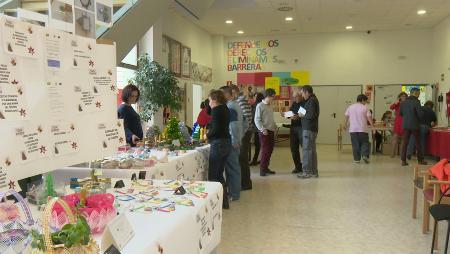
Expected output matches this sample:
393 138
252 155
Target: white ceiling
261 17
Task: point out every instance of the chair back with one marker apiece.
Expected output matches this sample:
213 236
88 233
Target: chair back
437 170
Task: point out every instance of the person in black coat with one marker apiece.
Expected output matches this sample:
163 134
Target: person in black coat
131 119
410 110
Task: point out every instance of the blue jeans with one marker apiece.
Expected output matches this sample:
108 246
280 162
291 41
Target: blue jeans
233 173
360 145
220 148
423 132
309 153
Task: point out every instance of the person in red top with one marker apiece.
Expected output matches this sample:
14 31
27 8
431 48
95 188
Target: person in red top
203 117
398 129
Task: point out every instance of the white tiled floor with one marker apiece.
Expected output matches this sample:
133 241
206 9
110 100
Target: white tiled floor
349 209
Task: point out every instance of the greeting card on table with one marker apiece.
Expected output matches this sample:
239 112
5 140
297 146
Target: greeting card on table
20 38
13 104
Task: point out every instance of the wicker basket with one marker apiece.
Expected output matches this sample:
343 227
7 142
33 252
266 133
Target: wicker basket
91 248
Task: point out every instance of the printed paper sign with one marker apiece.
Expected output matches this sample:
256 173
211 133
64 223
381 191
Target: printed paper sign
33 143
54 46
12 98
103 81
19 38
64 139
111 134
104 12
88 99
82 52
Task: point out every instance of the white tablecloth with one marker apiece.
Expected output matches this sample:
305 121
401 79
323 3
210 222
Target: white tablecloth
193 165
187 230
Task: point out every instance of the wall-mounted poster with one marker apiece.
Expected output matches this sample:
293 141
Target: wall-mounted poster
84 23
32 17
61 15
201 73
185 62
104 12
175 57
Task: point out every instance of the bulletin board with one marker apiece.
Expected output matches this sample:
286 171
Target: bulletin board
57 100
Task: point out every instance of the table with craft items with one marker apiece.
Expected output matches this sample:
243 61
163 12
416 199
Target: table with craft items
439 142
191 165
167 223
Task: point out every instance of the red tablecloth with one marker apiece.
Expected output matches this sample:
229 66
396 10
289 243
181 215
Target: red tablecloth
439 143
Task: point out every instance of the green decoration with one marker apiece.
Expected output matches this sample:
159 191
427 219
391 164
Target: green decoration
173 130
290 81
158 87
70 235
49 185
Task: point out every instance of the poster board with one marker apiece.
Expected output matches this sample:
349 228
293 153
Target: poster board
41 89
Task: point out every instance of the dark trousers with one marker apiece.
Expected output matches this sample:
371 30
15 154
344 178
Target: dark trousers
257 147
296 142
267 144
378 141
220 148
360 145
406 137
243 159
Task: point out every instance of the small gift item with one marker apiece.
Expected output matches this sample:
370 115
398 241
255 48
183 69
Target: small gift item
126 164
14 232
110 164
74 238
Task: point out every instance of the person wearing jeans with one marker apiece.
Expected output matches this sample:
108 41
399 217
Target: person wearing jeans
219 138
310 126
409 110
233 167
358 115
428 119
265 123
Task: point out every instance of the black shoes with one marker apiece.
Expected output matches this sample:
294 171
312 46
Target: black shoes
297 171
404 163
266 172
246 187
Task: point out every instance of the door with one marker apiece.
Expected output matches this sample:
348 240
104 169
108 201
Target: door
334 100
385 96
197 92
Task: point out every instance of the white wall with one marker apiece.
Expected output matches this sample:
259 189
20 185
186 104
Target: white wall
441 62
350 58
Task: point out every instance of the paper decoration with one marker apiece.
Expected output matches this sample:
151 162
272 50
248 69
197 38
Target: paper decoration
118 232
32 143
274 83
64 139
12 92
19 38
61 15
111 135
302 76
32 17
104 12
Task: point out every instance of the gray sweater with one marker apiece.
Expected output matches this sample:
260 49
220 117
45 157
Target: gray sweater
264 117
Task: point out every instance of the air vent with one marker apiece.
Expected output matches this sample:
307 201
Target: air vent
285 8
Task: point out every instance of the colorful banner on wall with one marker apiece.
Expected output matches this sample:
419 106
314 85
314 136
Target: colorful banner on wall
274 83
250 55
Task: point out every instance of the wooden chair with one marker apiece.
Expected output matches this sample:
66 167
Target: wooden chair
432 191
419 172
441 212
339 138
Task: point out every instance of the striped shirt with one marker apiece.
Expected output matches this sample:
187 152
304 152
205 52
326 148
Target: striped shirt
246 110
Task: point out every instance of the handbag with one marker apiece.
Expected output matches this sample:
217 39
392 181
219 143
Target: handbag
15 233
90 248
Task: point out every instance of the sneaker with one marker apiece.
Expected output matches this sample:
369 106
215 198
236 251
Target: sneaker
304 176
366 159
297 171
356 162
404 163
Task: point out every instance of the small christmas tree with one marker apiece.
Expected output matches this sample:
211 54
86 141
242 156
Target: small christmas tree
49 185
173 130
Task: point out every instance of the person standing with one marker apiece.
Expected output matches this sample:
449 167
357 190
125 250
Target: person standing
203 117
246 181
131 119
310 128
409 110
296 132
398 123
233 168
218 136
427 119
258 98
357 117
265 123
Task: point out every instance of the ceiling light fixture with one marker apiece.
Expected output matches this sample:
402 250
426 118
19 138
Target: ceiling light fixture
240 32
421 12
289 18
349 27
229 21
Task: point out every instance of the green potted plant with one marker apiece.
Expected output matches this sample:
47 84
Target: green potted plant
158 87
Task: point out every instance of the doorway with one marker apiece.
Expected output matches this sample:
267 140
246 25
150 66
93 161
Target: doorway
197 98
333 101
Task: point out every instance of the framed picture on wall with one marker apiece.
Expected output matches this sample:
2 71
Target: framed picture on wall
175 57
185 62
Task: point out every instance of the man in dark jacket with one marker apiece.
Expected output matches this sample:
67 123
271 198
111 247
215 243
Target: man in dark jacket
310 127
409 110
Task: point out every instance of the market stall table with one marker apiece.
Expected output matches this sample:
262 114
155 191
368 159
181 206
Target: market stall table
439 142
